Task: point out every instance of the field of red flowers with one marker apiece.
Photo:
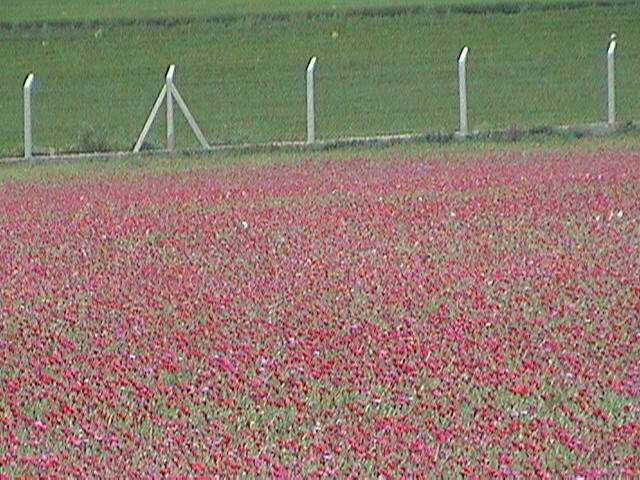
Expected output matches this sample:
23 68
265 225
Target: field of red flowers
473 316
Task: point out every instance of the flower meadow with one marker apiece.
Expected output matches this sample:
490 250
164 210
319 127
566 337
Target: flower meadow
470 316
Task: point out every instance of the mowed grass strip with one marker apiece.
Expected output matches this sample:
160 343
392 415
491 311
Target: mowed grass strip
64 171
245 81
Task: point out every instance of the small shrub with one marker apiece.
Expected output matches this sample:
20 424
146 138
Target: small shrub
513 134
541 130
91 140
148 146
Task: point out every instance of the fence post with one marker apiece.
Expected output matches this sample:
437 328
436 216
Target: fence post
311 121
29 85
171 135
462 84
611 80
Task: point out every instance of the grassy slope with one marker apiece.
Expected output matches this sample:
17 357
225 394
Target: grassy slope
245 80
44 10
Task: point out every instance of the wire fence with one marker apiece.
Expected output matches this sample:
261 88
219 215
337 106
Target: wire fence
265 101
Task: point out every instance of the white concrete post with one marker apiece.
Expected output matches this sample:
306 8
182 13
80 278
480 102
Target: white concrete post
462 84
311 120
611 80
29 86
171 134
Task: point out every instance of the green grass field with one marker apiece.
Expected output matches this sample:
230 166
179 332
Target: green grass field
244 79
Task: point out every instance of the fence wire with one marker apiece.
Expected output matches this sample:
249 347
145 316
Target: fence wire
102 111
530 92
368 99
246 103
11 125
627 84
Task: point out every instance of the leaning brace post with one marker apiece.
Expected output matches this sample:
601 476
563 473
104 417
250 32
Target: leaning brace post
611 81
28 88
462 84
171 134
152 116
190 120
311 121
